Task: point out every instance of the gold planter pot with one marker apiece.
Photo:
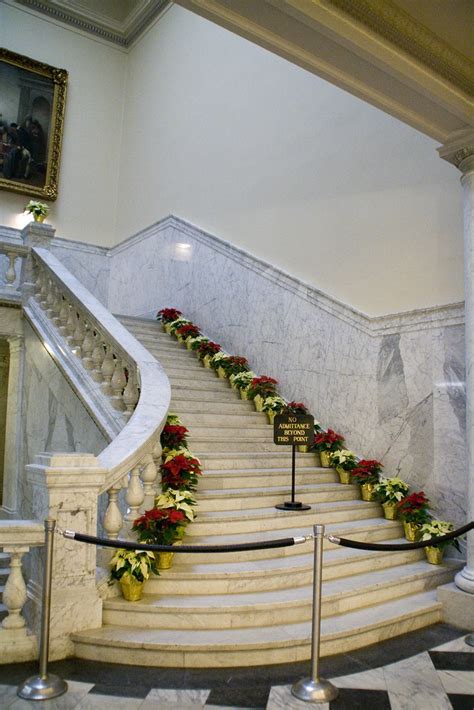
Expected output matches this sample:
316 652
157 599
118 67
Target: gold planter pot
167 327
390 510
367 491
165 560
271 416
206 361
410 530
258 402
188 343
233 385
303 448
434 555
132 588
324 459
39 217
244 394
344 476
221 373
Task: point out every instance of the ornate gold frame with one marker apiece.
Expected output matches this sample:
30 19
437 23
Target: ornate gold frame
59 79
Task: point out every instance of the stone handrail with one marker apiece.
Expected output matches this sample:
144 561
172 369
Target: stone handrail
128 375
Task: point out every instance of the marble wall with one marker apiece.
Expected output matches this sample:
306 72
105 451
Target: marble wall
394 385
4 358
54 418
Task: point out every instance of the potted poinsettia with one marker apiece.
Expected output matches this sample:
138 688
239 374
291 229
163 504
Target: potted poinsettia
218 363
173 436
161 526
241 381
436 528
166 316
326 442
390 491
194 343
272 406
186 332
296 408
178 323
367 475
259 389
131 568
345 462
206 351
234 364
38 209
178 499
180 469
413 510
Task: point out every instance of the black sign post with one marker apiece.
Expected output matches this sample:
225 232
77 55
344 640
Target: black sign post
293 430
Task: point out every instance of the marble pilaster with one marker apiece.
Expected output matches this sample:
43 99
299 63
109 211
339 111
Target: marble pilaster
13 458
34 234
459 151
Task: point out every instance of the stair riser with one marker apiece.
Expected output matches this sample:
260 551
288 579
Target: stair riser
246 462
197 374
211 384
239 481
244 422
220 445
222 433
285 522
249 502
205 396
213 409
212 657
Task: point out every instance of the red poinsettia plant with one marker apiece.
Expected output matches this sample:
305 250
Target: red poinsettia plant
414 508
180 472
263 386
168 315
173 436
189 330
367 471
160 526
207 348
233 364
296 408
328 440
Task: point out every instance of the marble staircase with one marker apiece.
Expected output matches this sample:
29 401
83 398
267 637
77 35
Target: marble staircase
242 609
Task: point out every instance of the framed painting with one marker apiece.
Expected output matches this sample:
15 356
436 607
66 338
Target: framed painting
32 102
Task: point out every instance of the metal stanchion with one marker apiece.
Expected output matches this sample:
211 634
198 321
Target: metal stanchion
316 689
44 686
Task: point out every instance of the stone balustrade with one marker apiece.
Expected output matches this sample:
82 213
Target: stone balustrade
17 537
11 254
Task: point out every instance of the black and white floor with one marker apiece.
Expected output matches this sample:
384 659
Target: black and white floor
431 669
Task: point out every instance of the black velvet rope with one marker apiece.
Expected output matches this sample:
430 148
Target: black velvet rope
401 546
130 545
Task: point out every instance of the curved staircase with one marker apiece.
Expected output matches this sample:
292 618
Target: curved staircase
254 608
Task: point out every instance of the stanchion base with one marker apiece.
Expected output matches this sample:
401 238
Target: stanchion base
292 505
38 688
469 640
314 691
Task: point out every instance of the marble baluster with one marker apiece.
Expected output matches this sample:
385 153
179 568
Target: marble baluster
108 367
98 355
135 495
78 336
71 324
14 594
459 150
10 275
118 382
64 317
43 296
87 347
113 519
130 393
148 476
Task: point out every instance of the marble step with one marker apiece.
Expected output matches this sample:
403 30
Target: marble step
280 521
213 407
212 460
234 499
283 643
267 607
223 432
223 480
243 420
242 444
206 396
212 384
204 377
373 529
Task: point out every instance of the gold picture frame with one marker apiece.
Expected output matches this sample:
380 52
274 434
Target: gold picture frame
32 103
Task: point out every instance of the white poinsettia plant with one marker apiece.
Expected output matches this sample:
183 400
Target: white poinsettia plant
174 325
136 563
438 528
274 404
178 500
344 459
37 208
172 453
242 379
391 490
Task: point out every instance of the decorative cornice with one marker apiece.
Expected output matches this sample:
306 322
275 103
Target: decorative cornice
123 38
459 150
401 29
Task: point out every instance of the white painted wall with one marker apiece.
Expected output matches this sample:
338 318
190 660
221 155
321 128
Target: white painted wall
86 206
246 145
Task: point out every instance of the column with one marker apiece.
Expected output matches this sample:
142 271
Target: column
459 151
13 452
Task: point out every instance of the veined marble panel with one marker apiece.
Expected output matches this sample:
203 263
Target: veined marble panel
88 263
392 385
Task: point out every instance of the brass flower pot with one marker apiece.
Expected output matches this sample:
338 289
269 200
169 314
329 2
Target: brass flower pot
167 327
390 510
206 361
258 402
303 448
132 588
165 560
233 385
411 530
221 373
344 476
271 416
434 555
244 394
367 491
39 217
324 459
188 343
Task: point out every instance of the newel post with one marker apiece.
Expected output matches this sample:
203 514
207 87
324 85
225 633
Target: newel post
66 488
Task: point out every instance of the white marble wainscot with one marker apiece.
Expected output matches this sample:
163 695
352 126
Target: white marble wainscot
88 263
393 384
54 418
65 488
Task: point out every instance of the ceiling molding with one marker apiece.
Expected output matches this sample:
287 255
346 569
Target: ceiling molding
104 26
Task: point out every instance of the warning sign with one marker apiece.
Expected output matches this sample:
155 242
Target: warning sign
293 429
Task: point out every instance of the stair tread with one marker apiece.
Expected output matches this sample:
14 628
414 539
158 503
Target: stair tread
216 493
272 512
270 636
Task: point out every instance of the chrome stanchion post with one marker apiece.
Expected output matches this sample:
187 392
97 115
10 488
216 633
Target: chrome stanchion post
44 686
316 689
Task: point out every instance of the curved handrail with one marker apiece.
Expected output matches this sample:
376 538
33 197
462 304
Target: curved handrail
142 430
